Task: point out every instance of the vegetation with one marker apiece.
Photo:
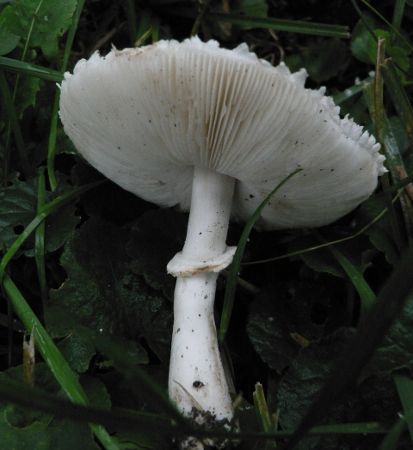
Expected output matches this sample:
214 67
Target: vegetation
317 332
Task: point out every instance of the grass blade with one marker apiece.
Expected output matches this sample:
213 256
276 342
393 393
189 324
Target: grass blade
124 419
370 334
39 236
313 248
236 263
51 354
33 70
292 26
373 94
399 96
398 13
404 386
51 145
367 296
12 116
390 442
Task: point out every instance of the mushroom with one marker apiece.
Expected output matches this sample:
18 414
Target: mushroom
214 131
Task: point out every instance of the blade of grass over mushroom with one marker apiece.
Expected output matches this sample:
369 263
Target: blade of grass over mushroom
39 238
399 96
132 20
45 211
370 334
404 386
398 13
51 145
155 30
14 123
16 66
391 440
291 26
54 359
126 419
236 263
313 248
367 296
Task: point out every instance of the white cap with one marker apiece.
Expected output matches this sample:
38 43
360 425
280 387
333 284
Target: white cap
144 117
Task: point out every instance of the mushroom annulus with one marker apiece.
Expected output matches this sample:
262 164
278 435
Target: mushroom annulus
214 131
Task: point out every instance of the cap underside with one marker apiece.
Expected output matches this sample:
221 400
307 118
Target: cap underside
145 117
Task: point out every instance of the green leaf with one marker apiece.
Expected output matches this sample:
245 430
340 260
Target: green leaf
279 323
301 383
364 45
8 41
102 293
152 246
18 207
26 94
78 351
18 433
50 20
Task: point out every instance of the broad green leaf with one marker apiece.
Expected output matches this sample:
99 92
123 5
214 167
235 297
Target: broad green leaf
18 205
50 20
8 41
152 246
17 209
280 322
104 295
364 46
302 381
26 94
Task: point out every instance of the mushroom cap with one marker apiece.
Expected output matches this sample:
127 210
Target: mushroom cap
144 117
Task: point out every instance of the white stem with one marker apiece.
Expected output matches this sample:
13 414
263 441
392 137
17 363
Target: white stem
197 382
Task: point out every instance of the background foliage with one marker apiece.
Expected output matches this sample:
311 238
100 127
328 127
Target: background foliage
323 320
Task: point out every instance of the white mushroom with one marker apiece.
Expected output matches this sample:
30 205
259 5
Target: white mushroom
214 131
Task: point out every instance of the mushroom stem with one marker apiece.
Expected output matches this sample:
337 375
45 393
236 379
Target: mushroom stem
197 382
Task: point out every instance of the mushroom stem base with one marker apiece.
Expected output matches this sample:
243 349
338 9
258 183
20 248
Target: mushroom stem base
197 381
